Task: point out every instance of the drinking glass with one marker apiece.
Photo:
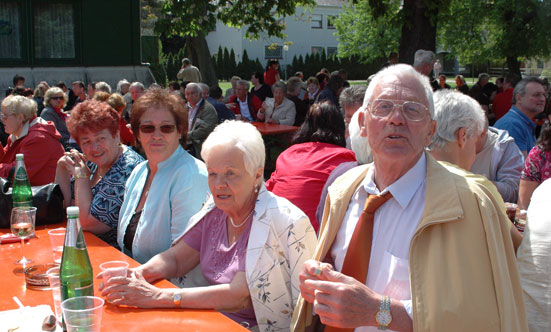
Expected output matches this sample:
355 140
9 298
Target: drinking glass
22 226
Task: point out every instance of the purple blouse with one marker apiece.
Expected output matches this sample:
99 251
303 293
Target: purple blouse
219 261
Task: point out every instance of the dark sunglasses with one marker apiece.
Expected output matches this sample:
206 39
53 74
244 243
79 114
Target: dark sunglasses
56 98
165 129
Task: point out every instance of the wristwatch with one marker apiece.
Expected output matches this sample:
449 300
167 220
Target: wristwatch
176 298
384 317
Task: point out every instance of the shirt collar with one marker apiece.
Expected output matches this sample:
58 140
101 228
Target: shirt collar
523 117
24 130
402 189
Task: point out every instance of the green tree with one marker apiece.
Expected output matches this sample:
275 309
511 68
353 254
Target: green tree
219 62
232 65
226 72
193 19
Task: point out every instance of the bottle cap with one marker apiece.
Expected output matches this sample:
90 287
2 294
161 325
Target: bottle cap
72 211
19 156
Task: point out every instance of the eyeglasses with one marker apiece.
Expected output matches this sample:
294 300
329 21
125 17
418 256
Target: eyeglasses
413 111
3 116
165 129
56 97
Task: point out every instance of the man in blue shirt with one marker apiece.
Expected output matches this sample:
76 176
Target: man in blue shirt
528 101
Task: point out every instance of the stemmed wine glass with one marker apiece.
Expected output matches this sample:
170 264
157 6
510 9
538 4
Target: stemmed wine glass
22 226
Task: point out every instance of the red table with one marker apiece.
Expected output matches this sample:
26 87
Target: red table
114 318
267 129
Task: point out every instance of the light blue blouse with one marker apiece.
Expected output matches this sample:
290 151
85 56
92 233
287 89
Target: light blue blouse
177 192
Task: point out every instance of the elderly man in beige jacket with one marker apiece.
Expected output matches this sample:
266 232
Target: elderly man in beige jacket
436 255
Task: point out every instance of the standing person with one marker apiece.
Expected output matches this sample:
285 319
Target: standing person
189 72
37 139
148 224
430 229
271 75
528 101
94 180
54 102
259 88
437 68
202 118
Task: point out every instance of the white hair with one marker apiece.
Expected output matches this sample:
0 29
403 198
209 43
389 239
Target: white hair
103 86
20 105
194 86
138 85
241 135
422 57
242 83
359 144
122 83
455 110
203 87
400 71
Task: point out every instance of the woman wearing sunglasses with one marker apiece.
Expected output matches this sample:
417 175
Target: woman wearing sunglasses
35 138
94 180
165 191
54 102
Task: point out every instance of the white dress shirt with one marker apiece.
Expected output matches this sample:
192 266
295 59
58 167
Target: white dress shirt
244 109
394 226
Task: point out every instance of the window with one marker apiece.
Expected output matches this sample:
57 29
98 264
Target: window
54 21
273 52
10 31
317 21
316 50
330 20
331 51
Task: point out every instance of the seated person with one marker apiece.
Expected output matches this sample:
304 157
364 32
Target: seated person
278 109
317 148
251 286
148 224
95 179
54 102
245 103
117 102
35 138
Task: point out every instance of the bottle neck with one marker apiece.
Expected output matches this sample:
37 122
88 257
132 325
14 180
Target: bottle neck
73 234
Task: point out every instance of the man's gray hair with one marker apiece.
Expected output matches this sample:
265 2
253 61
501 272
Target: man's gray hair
204 87
294 85
138 85
241 135
455 110
103 86
243 83
482 76
352 95
122 83
359 144
520 88
422 57
186 61
194 86
400 71
279 85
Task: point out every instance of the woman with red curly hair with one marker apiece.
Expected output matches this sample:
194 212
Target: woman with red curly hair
94 180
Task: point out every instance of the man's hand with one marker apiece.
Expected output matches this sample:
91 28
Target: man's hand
340 300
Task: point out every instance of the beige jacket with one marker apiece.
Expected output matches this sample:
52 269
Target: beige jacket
462 266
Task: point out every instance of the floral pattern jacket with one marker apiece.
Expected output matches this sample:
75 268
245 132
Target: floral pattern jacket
281 239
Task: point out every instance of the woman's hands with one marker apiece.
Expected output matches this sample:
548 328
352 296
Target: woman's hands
74 163
134 290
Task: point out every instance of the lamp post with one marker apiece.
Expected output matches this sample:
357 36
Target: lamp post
285 49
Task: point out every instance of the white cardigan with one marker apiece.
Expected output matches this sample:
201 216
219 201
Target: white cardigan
281 239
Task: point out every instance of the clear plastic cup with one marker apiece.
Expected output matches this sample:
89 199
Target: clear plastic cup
53 277
83 313
57 239
114 269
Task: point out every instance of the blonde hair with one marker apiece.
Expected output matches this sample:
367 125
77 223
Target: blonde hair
54 91
20 105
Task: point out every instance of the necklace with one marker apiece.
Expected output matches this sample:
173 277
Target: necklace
244 221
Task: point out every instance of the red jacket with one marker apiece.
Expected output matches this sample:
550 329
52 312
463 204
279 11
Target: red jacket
253 101
41 148
301 172
503 102
127 136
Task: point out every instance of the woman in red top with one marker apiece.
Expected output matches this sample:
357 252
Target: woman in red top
318 147
117 102
272 73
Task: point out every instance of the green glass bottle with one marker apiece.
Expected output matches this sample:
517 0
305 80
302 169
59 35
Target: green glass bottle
75 273
22 194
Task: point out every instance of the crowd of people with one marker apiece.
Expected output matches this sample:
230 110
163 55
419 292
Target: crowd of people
387 210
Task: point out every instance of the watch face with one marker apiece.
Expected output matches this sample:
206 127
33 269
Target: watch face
383 317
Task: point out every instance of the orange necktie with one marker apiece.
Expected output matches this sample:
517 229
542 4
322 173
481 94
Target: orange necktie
357 256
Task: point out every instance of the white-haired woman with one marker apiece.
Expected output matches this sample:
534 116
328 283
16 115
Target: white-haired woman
54 102
37 139
251 244
278 109
459 122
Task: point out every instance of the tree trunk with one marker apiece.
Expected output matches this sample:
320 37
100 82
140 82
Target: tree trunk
418 32
200 57
513 66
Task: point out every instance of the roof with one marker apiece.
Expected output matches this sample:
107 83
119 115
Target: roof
330 3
